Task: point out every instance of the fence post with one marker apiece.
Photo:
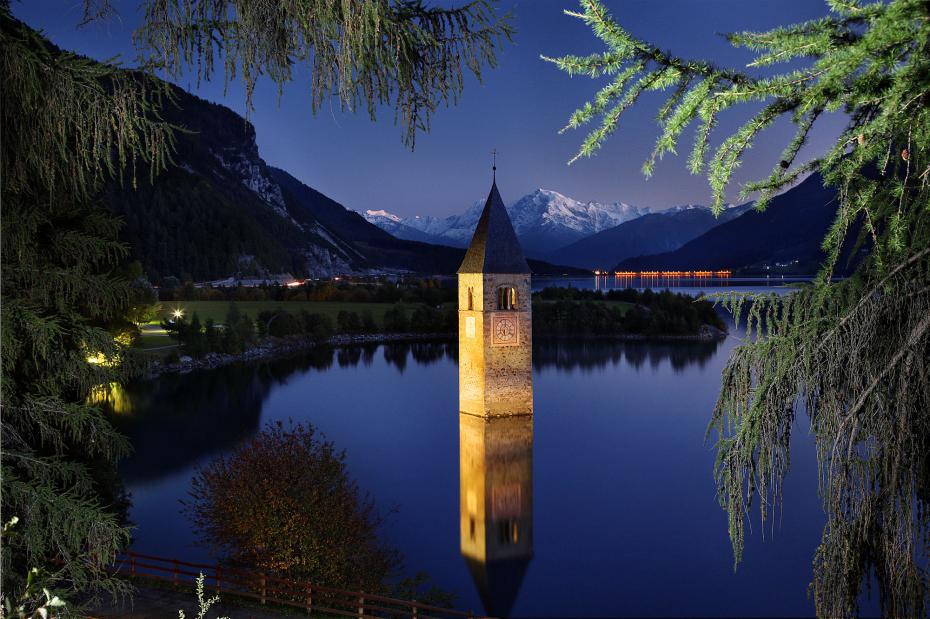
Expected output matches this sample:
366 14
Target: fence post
175 562
216 577
414 607
309 598
264 588
361 606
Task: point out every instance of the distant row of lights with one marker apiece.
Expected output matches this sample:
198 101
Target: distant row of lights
725 273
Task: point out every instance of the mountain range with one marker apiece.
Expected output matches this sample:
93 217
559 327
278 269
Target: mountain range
221 209
651 233
787 236
544 220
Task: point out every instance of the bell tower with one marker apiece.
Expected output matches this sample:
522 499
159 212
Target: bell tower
495 409
495 319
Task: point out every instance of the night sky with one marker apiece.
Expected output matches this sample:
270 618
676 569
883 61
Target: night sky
518 110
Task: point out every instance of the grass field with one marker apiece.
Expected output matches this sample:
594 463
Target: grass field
154 337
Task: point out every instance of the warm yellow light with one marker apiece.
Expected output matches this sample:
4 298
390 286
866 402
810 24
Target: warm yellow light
178 313
113 395
101 359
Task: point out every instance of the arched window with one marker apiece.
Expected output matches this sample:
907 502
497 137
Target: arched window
508 532
471 298
506 298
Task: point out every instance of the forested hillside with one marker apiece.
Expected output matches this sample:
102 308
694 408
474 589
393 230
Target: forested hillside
789 233
221 208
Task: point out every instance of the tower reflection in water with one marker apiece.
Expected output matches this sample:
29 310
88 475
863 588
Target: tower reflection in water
496 502
495 409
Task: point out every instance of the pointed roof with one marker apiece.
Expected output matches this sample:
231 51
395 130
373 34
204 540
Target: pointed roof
498 583
494 248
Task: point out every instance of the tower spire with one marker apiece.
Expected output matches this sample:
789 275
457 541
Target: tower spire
494 248
494 165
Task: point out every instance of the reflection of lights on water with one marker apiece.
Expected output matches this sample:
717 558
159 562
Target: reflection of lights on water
626 279
111 395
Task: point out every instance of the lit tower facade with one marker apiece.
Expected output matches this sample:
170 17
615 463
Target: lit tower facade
495 319
496 409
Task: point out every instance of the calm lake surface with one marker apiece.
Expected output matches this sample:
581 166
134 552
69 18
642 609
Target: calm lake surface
625 519
694 286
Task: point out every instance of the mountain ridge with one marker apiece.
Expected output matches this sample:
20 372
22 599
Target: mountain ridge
221 206
786 238
648 234
543 219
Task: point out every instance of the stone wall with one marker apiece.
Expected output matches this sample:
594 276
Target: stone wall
495 371
508 368
471 345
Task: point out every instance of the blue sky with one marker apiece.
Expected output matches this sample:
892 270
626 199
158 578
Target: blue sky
518 110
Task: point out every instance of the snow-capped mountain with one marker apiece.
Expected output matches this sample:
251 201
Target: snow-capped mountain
394 225
544 221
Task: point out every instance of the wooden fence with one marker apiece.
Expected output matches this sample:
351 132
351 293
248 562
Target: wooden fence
268 589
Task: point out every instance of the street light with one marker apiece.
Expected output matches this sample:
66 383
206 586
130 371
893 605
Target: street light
178 313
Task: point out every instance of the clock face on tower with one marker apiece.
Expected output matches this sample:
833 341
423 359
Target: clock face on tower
504 330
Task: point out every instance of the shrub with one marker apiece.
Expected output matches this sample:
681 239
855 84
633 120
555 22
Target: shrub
395 320
283 501
426 319
318 326
369 325
348 322
239 333
282 324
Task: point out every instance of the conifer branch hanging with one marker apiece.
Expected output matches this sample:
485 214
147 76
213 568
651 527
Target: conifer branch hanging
854 353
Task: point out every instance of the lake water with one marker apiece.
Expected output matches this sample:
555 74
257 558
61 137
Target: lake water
624 515
694 286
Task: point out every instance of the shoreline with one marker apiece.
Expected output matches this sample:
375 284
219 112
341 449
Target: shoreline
277 348
274 348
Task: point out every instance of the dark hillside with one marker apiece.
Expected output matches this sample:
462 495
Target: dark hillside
221 208
787 237
649 234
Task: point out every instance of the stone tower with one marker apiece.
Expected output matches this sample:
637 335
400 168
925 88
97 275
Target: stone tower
495 319
495 409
